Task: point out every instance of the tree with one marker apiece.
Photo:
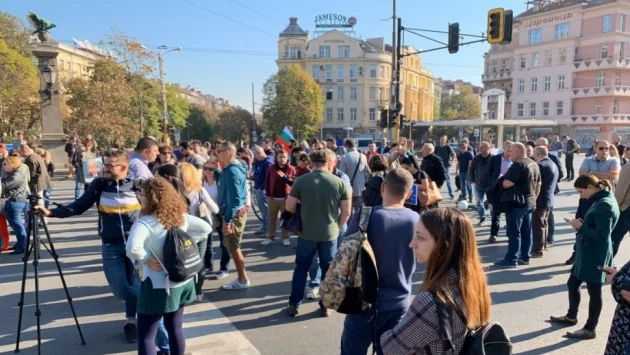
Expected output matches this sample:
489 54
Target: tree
15 33
461 106
292 98
200 124
235 124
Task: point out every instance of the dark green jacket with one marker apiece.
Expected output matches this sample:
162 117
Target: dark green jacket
594 247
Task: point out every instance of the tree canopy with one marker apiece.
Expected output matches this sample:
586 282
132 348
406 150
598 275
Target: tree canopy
463 105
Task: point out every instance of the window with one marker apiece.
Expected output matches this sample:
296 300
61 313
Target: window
562 31
340 73
548 57
615 106
545 108
61 64
353 114
329 94
601 78
534 85
292 52
534 60
343 51
324 51
535 36
372 114
329 114
621 24
373 71
494 66
547 83
340 93
523 61
607 24
560 82
521 85
353 71
340 114
69 66
617 77
559 108
329 72
598 107
603 50
353 93
519 110
372 93
563 56
620 46
379 93
381 72
503 64
315 72
532 109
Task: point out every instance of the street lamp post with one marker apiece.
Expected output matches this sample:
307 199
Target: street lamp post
165 137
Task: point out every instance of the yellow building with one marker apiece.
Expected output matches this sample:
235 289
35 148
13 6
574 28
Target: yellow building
355 77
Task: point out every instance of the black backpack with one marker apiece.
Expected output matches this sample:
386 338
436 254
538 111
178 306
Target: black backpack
490 339
181 256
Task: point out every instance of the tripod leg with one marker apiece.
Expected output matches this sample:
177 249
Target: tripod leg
55 256
27 254
36 250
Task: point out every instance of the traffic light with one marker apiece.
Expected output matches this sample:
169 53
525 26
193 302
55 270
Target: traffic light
500 26
384 123
402 120
453 38
161 125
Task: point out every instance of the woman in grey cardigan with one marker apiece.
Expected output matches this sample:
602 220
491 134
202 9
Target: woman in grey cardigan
15 190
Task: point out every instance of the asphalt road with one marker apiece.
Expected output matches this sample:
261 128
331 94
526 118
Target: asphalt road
254 321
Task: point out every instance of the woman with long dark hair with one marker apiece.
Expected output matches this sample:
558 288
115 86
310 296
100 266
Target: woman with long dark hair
445 242
162 209
210 168
593 250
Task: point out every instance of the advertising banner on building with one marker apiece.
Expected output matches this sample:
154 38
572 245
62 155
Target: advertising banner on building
585 135
92 167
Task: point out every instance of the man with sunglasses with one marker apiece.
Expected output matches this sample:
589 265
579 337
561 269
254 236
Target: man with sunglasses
165 156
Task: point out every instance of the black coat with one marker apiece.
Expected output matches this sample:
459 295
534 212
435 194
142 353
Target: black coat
481 171
433 166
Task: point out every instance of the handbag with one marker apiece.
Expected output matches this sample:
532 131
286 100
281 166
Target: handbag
292 222
431 196
205 214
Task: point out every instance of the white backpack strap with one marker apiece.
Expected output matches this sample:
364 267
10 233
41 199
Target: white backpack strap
364 218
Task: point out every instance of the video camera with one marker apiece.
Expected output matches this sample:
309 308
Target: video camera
33 200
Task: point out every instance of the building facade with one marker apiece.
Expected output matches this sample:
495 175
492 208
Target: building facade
566 62
355 78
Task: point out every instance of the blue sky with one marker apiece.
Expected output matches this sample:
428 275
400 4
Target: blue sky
229 74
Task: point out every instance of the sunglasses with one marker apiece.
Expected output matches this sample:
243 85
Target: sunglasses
603 148
165 153
208 169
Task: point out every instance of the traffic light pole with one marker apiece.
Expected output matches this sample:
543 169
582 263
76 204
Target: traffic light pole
397 88
165 137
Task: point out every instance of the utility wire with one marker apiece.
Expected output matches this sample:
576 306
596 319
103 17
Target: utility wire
260 13
229 18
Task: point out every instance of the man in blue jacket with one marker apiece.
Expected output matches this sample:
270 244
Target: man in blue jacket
232 199
262 163
118 209
544 202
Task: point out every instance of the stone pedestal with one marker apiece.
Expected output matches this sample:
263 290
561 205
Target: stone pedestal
53 137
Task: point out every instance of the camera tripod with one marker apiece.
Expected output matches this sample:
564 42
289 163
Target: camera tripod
33 245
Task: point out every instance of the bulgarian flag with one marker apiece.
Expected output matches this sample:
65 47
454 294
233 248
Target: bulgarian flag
285 138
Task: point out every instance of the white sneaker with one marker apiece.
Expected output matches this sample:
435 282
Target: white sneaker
266 242
286 243
312 293
236 285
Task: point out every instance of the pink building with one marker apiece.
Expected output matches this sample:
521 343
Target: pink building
566 63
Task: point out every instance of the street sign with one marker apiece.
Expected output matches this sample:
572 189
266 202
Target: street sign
461 133
177 135
476 132
165 116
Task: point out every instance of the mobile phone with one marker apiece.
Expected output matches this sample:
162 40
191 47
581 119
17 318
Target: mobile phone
568 220
601 268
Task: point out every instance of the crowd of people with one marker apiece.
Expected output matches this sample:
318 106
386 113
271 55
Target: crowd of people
322 187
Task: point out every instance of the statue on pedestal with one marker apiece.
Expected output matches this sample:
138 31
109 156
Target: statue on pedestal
41 26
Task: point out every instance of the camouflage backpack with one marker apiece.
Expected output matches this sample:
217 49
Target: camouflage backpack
351 282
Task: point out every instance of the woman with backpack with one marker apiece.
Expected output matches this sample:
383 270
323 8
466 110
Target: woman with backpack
201 205
163 211
445 242
372 193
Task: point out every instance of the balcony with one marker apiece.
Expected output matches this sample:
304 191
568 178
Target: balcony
292 57
498 75
601 64
615 90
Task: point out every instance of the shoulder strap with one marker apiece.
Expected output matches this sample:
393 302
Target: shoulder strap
444 314
364 217
356 169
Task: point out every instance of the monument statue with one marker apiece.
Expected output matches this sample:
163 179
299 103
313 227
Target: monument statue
41 26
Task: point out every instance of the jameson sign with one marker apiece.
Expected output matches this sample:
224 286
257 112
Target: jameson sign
550 19
334 20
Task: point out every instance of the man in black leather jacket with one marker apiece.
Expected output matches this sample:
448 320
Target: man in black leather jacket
432 165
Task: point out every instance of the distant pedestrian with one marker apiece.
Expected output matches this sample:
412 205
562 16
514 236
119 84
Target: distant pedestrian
571 149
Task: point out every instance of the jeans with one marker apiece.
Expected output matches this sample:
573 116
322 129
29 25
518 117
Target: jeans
481 209
13 212
261 198
357 330
149 325
519 233
77 187
47 197
620 230
449 185
315 273
494 221
595 302
540 228
552 227
464 180
568 162
124 283
225 253
201 275
306 250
